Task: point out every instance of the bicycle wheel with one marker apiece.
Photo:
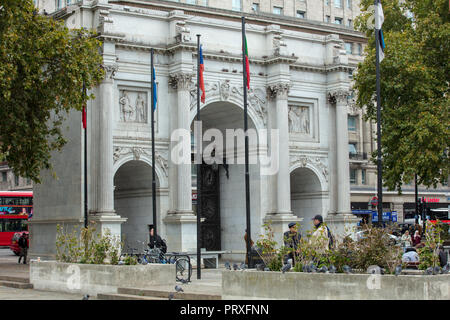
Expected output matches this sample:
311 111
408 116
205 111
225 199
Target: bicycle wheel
184 269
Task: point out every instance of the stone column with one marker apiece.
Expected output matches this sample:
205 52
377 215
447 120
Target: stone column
280 93
183 82
339 98
105 188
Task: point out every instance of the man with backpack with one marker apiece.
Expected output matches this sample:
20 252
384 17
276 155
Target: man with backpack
23 245
321 239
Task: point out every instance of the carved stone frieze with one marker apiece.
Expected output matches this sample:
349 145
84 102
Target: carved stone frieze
138 152
316 162
223 90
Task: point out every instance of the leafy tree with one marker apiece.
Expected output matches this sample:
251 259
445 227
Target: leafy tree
42 69
415 78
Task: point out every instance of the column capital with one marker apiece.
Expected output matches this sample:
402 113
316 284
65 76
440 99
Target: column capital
338 96
181 81
110 70
279 90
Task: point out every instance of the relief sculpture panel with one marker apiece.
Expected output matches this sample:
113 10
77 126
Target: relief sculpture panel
299 119
133 106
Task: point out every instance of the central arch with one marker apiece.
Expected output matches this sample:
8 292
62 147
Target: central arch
224 194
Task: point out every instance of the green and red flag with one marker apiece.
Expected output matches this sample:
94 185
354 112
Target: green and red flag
247 64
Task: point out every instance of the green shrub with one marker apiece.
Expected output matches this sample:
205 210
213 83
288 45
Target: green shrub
89 247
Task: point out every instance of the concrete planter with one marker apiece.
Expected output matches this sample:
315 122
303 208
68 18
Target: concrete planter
92 279
306 286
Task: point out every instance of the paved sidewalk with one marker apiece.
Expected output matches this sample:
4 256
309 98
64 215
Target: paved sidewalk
31 294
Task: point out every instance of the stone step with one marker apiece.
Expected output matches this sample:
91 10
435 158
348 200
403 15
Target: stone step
118 296
16 285
165 294
14 279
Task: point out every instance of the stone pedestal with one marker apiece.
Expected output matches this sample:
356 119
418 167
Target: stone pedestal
279 223
341 225
181 230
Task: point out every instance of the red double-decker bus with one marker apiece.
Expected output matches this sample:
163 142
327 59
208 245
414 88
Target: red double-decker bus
16 207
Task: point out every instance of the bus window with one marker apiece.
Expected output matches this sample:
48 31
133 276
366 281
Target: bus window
13 225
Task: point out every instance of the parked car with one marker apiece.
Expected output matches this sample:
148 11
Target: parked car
14 246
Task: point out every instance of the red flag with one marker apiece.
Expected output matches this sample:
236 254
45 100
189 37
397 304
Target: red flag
84 117
247 63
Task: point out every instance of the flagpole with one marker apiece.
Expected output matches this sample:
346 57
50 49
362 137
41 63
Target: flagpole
247 176
199 172
379 161
86 222
153 145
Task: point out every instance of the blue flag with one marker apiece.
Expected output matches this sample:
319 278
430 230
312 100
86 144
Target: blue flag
155 99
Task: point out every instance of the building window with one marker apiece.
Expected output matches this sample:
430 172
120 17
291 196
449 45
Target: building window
327 19
348 47
300 14
352 176
349 4
338 3
16 180
4 176
338 20
255 7
28 181
237 5
363 176
349 23
350 74
359 49
190 1
327 2
59 4
351 123
352 148
278 10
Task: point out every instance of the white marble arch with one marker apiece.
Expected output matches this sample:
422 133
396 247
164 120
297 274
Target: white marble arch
235 100
311 197
162 180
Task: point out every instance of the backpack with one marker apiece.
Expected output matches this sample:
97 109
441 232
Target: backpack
331 239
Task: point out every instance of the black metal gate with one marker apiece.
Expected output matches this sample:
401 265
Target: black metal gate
210 210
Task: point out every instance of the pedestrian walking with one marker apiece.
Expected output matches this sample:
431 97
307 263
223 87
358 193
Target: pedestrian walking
320 239
292 240
246 250
23 245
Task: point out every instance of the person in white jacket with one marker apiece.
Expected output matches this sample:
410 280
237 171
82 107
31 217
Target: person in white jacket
320 238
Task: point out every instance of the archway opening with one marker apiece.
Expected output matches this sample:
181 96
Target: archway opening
223 187
133 200
306 196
